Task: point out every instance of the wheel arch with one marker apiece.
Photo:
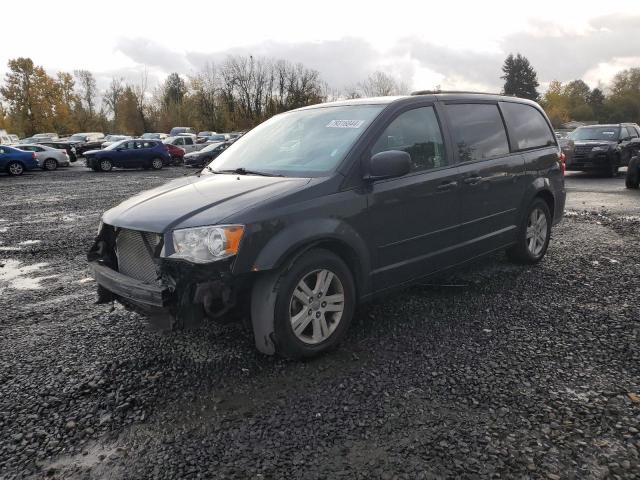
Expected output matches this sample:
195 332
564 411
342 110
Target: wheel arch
539 188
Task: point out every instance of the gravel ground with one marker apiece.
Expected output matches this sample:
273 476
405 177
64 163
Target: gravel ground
493 371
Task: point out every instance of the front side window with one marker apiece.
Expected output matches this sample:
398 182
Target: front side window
303 143
416 132
624 134
179 141
478 131
527 127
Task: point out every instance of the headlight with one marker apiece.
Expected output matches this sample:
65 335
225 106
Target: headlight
599 149
207 244
100 227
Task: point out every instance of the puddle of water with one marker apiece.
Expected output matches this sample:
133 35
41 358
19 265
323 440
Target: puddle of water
15 275
4 229
30 242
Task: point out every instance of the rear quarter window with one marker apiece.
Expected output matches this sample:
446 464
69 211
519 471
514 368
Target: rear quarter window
478 131
527 127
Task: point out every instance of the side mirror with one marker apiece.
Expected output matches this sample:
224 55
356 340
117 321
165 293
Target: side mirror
389 164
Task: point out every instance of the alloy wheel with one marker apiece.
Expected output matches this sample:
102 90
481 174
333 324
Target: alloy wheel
16 169
536 232
316 306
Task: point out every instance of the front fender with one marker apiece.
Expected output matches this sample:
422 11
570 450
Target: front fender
306 234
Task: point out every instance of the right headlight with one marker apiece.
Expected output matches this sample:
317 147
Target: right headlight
207 244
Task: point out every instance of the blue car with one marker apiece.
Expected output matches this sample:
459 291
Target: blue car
15 162
137 153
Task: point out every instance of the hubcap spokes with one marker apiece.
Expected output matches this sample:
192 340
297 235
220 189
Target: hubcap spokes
536 232
16 168
316 306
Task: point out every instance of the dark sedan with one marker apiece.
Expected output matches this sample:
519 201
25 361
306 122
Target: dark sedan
204 156
129 154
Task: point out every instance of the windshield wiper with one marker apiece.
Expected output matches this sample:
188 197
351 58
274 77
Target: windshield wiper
244 171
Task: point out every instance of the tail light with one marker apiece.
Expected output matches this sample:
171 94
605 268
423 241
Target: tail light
562 158
33 155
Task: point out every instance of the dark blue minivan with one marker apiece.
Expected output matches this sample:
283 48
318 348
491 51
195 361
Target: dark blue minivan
138 153
15 162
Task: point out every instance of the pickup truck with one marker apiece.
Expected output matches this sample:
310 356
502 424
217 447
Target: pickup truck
186 142
83 142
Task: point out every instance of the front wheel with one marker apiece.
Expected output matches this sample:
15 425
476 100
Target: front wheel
314 305
156 163
105 165
15 169
632 179
533 235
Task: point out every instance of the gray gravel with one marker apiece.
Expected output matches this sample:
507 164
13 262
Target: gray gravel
506 371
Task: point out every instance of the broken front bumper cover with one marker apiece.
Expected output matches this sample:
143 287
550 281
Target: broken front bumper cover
143 294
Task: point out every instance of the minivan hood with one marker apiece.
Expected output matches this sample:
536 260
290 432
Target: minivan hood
195 201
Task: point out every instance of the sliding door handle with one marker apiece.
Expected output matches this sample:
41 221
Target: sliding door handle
448 185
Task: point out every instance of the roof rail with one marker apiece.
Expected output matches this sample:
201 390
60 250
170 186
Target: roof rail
433 92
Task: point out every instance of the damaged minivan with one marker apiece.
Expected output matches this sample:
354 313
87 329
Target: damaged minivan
324 207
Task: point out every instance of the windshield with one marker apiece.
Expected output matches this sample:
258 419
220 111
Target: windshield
150 135
303 143
211 147
115 145
595 133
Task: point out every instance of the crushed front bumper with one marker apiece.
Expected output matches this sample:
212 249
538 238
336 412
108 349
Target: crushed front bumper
130 289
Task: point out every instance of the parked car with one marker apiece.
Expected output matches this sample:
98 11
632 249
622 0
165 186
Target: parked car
14 138
206 133
178 130
48 158
379 193
632 179
83 142
154 136
46 136
68 147
603 148
5 139
129 154
202 157
14 161
186 142
176 153
218 137
109 139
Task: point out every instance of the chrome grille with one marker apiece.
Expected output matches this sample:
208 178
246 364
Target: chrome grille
581 152
135 258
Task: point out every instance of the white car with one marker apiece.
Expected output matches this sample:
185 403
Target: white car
186 142
48 158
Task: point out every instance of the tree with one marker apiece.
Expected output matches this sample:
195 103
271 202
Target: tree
112 96
380 84
174 90
87 92
520 79
556 104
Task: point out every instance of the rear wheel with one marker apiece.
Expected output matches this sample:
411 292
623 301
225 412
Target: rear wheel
15 169
533 236
50 164
314 304
632 179
156 163
105 165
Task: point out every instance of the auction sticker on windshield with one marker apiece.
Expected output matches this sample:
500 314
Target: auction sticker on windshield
345 123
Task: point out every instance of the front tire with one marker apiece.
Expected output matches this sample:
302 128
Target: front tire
15 169
105 165
50 164
314 305
533 235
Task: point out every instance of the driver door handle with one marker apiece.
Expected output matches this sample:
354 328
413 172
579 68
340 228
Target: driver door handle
472 180
448 185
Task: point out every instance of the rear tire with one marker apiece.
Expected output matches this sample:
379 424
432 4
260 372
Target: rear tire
15 169
315 302
632 179
533 235
105 165
156 164
50 164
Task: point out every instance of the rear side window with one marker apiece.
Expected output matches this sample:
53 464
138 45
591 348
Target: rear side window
478 131
632 131
527 127
188 141
624 134
416 132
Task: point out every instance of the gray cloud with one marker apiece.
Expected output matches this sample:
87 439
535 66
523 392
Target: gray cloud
554 54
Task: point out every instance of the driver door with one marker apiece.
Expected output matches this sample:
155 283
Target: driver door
413 218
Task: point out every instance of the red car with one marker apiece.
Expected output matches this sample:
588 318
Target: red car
177 153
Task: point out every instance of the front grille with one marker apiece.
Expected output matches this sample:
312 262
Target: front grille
135 254
581 152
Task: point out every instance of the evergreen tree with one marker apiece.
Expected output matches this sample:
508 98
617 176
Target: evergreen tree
520 79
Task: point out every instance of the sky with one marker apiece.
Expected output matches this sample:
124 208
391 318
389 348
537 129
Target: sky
448 44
